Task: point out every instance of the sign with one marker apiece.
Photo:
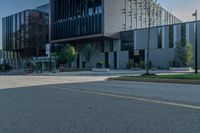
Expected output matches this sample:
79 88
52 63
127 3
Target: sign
136 53
48 49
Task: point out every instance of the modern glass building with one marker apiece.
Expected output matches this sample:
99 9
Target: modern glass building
100 23
75 18
14 37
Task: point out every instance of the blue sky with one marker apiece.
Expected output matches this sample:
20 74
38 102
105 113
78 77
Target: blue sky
181 8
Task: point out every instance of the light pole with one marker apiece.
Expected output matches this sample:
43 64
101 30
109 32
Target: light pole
196 47
50 66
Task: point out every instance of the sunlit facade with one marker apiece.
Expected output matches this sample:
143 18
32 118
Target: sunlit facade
100 23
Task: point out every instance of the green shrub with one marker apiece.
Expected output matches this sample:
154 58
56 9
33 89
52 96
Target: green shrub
142 64
67 56
129 64
150 64
183 55
5 67
99 64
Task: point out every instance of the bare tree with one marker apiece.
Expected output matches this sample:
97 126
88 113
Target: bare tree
150 7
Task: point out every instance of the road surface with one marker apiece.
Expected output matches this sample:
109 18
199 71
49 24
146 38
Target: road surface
84 104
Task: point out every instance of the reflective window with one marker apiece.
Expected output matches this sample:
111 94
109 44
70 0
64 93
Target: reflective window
159 37
81 18
183 35
171 36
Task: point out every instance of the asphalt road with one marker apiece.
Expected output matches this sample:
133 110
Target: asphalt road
92 105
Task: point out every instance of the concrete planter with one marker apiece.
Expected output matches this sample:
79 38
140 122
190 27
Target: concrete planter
180 68
135 69
100 70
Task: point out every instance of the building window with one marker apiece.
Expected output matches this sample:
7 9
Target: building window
183 35
98 10
159 37
90 11
111 45
81 17
126 46
171 36
102 46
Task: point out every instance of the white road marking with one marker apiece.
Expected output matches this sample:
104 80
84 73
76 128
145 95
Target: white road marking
120 96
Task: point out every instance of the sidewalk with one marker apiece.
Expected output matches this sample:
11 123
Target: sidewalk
111 73
14 72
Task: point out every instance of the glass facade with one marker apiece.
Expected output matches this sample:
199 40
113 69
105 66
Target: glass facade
183 35
171 36
73 18
111 45
102 46
7 33
15 30
159 37
127 41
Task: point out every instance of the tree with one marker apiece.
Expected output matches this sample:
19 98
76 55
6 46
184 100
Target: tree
183 54
88 51
34 34
70 55
67 56
61 57
150 7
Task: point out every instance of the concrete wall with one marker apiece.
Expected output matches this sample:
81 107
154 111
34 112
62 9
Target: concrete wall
198 40
161 57
96 57
113 18
123 15
123 58
141 37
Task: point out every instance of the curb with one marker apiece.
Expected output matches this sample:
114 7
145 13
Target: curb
174 81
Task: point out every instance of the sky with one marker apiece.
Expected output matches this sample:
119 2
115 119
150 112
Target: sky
183 9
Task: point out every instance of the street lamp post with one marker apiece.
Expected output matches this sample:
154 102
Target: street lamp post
50 66
196 46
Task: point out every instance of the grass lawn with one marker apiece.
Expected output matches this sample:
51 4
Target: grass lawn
178 76
181 78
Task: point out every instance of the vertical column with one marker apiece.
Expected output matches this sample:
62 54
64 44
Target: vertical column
188 32
175 35
164 37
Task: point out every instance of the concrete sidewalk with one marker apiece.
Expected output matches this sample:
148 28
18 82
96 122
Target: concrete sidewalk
119 72
114 73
